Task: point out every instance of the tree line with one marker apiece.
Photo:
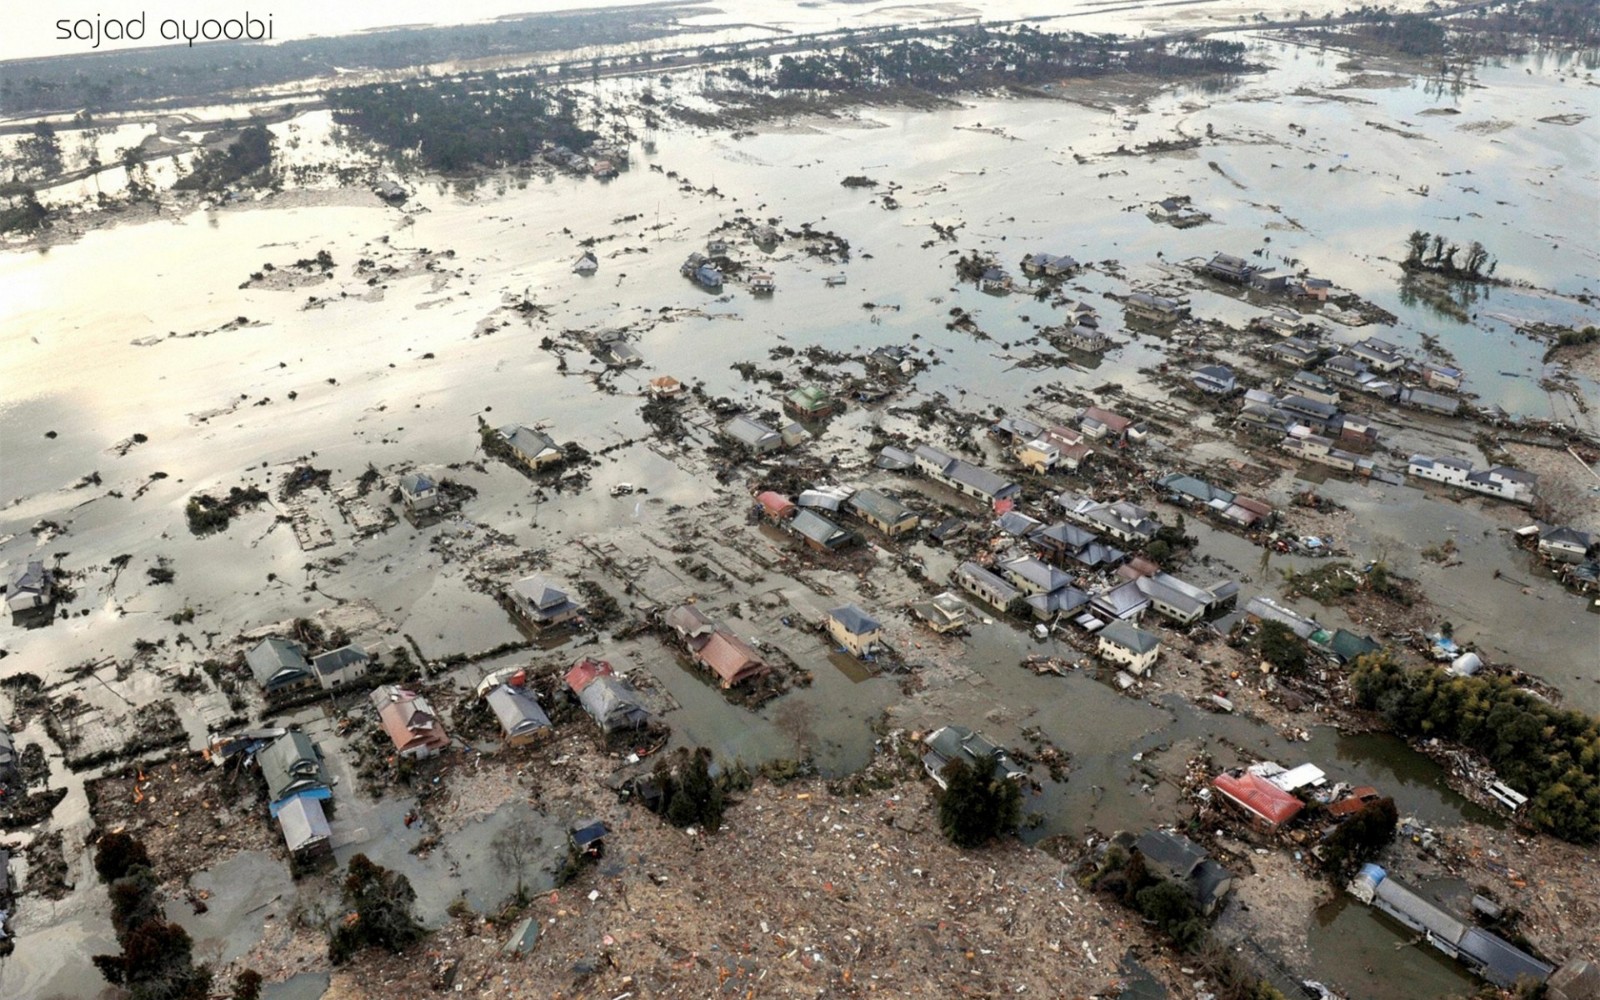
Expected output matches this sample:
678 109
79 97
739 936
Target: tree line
982 57
456 125
1550 754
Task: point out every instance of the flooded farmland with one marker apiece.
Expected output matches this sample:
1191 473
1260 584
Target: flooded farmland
152 359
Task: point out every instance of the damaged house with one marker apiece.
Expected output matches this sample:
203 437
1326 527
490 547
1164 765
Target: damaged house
410 722
31 586
280 666
948 743
715 647
539 604
981 583
1181 860
610 700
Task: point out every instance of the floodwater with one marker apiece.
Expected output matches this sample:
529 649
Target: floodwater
395 374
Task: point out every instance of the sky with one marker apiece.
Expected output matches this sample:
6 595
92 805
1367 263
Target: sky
28 30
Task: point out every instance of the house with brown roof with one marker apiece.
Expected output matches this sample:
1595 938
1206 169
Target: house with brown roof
733 660
665 387
411 722
715 646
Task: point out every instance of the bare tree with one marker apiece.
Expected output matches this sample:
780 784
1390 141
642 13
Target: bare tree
514 848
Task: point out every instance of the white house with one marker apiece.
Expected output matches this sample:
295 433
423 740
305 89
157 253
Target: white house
29 587
1130 646
1565 544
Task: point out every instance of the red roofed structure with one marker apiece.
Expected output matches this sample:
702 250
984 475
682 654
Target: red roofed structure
1268 806
776 505
585 671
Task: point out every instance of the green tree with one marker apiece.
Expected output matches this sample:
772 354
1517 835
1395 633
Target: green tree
1416 247
1359 838
247 985
977 805
118 853
1278 645
696 797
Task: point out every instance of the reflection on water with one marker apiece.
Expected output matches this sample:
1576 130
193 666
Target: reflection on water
1364 953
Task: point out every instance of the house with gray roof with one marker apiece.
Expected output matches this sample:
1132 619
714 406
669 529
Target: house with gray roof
753 435
948 743
1177 599
534 447
1294 351
1129 646
1157 309
1034 576
1122 520
280 666
29 586
291 764
964 477
1264 608
1227 267
1057 603
1126 601
1565 544
1217 380
855 630
884 512
976 580
305 828
1379 355
540 603
338 667
613 703
1181 860
820 533
521 719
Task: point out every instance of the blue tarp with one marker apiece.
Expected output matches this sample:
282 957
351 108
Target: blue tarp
311 793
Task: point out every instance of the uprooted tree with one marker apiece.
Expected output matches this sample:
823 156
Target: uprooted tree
157 957
377 911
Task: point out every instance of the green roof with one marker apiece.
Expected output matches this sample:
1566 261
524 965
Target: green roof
809 398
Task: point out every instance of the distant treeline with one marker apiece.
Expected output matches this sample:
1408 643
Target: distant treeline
980 57
247 159
1549 754
1495 30
104 81
453 125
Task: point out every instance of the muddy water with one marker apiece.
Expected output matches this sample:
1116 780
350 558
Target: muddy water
1368 954
71 365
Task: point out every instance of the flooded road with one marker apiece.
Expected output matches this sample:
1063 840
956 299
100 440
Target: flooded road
131 331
